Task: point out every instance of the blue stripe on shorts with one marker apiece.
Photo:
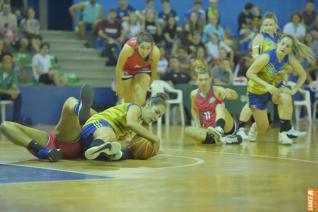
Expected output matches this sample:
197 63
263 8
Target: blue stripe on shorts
88 132
259 101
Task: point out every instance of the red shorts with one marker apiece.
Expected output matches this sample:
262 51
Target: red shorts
131 73
69 149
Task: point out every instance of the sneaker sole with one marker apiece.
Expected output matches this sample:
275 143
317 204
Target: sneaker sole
87 98
54 155
109 148
215 134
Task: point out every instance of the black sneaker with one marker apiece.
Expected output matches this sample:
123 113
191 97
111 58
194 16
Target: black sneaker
52 155
86 101
107 148
232 139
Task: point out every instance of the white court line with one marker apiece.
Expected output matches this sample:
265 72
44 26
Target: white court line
198 161
248 155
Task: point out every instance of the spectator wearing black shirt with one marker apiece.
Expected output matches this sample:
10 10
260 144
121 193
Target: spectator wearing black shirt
176 75
246 17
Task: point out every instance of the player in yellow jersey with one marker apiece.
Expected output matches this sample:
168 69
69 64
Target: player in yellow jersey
102 131
265 41
265 83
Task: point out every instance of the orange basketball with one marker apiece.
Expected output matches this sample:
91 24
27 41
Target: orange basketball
142 148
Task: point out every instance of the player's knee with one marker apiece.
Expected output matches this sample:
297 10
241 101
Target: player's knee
262 128
285 99
5 125
188 130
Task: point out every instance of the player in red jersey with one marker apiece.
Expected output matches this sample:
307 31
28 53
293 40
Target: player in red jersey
212 121
62 142
136 68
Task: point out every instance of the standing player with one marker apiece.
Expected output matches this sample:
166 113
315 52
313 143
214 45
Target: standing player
266 75
211 118
136 68
65 140
115 122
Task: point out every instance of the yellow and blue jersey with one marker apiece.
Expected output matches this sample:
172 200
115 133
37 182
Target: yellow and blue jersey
269 42
273 73
114 116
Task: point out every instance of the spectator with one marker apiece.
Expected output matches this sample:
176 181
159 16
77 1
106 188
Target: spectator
91 13
198 10
132 26
152 26
184 58
295 27
199 61
9 85
3 50
162 66
246 17
170 33
32 30
166 12
195 43
212 10
111 33
309 15
212 27
42 68
176 75
124 9
8 24
222 72
214 45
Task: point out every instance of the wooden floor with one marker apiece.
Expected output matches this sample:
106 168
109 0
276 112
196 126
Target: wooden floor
261 176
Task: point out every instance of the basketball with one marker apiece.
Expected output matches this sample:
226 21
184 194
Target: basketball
142 148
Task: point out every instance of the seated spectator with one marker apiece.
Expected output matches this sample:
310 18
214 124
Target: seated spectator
309 15
295 27
32 30
170 33
201 60
245 18
132 26
198 11
111 33
42 68
91 13
222 72
195 43
162 66
212 10
176 75
312 43
152 26
123 10
212 27
214 45
184 58
166 13
9 85
3 49
8 25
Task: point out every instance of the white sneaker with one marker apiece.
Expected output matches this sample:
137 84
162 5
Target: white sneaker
252 134
295 133
232 139
216 133
242 133
284 139
107 148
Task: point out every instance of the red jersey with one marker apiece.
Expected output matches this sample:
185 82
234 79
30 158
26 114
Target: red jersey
135 63
206 108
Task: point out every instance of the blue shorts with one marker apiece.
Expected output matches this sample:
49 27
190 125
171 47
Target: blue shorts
88 132
259 101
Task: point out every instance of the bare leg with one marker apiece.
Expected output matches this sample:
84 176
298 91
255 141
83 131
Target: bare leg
141 85
128 90
22 135
261 120
198 134
246 113
81 30
223 113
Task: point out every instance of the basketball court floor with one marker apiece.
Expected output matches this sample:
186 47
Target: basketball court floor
185 176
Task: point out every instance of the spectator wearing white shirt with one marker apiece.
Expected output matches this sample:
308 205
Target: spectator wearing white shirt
42 68
295 27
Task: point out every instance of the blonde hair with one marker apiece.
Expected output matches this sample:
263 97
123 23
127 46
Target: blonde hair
269 15
202 70
300 50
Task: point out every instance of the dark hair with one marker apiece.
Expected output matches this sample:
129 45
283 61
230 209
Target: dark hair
248 6
270 15
296 14
159 99
144 37
5 54
44 44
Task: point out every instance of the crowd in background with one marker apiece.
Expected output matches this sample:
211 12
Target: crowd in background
196 38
